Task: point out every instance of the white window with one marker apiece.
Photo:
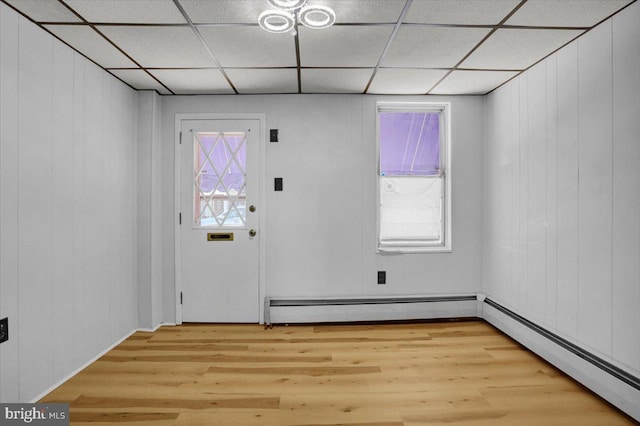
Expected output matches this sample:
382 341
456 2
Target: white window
414 188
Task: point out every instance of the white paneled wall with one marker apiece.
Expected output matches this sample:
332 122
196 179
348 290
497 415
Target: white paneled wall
67 209
320 231
625 291
562 222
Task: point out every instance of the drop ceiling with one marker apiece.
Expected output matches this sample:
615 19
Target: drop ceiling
446 47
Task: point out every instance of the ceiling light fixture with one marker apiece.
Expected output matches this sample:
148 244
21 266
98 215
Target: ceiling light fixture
283 19
287 4
276 21
317 17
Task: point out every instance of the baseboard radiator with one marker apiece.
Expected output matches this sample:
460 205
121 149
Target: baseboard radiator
302 310
611 382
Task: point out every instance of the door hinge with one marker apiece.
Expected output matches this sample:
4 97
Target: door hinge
180 138
179 218
181 298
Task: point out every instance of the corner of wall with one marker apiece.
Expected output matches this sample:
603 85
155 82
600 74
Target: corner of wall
149 232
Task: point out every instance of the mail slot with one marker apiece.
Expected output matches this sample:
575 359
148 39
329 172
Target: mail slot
220 236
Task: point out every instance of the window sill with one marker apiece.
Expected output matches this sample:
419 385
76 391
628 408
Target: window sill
413 249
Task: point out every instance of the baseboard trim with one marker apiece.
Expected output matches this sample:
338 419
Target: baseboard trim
606 366
94 359
619 387
82 367
154 329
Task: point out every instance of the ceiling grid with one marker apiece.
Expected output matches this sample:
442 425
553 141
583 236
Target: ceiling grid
93 27
444 47
396 27
485 38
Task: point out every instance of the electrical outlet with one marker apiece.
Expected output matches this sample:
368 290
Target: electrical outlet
382 277
4 330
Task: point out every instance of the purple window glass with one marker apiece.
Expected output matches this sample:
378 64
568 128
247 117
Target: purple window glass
221 157
409 143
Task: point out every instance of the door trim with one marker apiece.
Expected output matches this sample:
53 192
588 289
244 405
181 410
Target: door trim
261 201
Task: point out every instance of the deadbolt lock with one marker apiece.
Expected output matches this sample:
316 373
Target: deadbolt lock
252 232
252 208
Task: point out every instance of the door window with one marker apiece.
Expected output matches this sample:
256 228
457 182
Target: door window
219 178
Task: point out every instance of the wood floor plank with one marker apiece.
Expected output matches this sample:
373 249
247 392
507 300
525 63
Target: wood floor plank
214 358
107 417
304 417
295 371
407 374
443 399
179 403
181 348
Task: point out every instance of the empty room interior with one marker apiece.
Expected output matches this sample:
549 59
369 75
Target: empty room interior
406 212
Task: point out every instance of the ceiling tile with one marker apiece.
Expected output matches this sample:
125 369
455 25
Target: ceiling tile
431 47
335 80
565 13
243 46
130 11
472 82
403 81
88 42
470 12
512 49
343 46
44 10
188 82
264 80
140 80
161 47
224 11
364 11
247 11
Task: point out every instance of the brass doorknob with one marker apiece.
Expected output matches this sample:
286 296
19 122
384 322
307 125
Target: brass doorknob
252 232
252 208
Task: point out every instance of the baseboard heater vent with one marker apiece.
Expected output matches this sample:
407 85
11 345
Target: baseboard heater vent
606 366
362 308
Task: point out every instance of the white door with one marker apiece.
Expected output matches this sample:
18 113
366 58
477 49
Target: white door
219 235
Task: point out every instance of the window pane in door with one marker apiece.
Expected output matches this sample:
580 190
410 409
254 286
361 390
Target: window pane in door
220 179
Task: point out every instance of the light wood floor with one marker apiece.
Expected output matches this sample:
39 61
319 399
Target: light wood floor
464 373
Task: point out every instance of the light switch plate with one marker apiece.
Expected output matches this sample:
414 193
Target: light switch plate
4 330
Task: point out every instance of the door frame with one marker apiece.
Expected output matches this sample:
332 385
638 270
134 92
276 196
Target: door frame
261 201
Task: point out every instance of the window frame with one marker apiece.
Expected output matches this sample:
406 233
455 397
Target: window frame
411 246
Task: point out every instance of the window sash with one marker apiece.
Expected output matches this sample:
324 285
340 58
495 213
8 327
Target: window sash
413 138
